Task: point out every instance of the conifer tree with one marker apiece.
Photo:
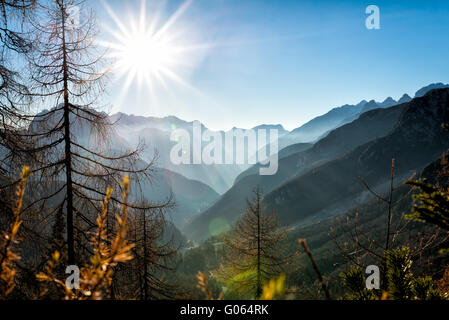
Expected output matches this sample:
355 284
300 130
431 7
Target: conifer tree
14 98
402 284
255 249
69 74
432 206
154 256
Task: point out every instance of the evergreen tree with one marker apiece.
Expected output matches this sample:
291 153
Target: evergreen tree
432 206
432 200
402 284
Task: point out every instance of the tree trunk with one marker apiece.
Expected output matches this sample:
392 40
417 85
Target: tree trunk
259 284
145 253
67 151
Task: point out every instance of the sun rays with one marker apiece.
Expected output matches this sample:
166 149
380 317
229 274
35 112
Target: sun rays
149 52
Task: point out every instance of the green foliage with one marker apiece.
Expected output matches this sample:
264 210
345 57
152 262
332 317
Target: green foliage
354 280
241 285
433 204
399 273
424 289
401 282
205 258
256 249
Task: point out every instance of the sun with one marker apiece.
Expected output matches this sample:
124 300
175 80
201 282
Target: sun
143 53
147 54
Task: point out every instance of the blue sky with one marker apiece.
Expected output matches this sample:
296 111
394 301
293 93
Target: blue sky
286 61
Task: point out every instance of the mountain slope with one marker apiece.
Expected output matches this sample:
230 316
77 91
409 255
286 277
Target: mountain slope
369 126
371 223
316 127
191 197
416 139
155 134
423 91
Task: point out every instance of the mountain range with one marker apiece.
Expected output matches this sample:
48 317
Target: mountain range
323 179
155 133
314 159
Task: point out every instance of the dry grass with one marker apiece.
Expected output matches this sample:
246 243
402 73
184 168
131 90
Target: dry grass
443 284
96 277
202 284
8 239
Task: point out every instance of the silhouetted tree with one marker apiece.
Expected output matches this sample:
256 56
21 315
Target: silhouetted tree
14 98
69 74
154 251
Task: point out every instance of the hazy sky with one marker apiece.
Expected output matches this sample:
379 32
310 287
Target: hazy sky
253 62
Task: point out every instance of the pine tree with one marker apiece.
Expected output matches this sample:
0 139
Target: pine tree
402 284
432 200
432 206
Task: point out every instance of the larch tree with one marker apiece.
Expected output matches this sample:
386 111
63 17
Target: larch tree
15 102
255 250
155 252
77 158
14 98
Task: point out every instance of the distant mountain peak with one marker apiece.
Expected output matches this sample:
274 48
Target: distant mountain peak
172 117
371 105
423 91
264 126
388 102
361 103
405 98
